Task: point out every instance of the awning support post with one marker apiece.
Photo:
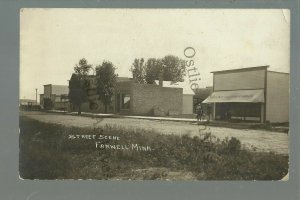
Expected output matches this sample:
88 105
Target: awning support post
214 111
262 112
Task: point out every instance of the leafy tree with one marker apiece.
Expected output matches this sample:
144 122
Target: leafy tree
153 68
48 104
138 70
171 67
106 79
82 68
78 84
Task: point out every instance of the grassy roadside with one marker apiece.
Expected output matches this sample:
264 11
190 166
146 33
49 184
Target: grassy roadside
50 151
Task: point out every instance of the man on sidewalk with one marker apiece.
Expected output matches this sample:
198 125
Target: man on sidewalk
199 111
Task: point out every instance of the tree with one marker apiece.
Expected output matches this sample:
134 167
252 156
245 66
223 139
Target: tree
138 70
153 69
171 67
48 104
106 79
82 68
78 84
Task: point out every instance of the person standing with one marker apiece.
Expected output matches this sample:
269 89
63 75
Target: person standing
199 111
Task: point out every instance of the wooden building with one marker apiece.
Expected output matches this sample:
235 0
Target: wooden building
250 94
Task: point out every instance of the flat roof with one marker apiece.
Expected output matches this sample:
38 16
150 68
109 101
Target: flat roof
184 85
54 85
242 69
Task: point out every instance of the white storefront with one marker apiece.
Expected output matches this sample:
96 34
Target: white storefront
252 94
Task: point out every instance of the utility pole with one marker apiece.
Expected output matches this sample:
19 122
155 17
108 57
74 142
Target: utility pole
36 95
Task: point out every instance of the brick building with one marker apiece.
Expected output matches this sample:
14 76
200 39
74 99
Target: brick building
187 94
132 98
147 99
253 94
93 104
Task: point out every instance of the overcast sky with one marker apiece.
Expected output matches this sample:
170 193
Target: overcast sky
53 40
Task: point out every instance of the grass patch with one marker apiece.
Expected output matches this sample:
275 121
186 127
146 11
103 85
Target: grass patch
47 152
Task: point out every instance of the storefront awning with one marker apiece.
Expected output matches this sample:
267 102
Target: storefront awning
253 96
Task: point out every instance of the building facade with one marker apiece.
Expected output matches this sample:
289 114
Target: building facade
250 94
131 98
58 94
187 94
147 99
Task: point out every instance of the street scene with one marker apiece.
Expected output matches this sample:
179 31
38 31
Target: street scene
105 96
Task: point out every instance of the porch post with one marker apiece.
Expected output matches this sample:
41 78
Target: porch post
262 113
214 111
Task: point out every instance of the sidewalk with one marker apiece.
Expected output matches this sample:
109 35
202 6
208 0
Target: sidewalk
85 114
164 118
239 125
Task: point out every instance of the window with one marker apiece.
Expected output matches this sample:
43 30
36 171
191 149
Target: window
125 101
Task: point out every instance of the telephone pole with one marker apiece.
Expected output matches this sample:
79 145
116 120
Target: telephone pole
36 96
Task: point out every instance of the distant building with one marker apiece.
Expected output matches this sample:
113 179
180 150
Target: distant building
58 94
253 94
28 104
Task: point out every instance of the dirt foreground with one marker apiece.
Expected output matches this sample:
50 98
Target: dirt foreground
258 139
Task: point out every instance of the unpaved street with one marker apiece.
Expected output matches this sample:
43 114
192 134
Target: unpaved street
260 139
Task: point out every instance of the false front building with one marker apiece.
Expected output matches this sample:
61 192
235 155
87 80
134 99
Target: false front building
250 94
57 95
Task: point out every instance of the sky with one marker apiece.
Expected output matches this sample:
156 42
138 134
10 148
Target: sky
52 41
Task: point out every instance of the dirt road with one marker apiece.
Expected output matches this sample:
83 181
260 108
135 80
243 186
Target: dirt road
260 139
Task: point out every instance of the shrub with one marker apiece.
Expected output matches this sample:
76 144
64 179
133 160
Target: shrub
48 104
234 146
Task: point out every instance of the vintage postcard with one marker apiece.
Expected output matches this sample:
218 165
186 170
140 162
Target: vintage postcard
154 94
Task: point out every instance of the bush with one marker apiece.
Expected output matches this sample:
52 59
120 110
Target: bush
48 104
233 147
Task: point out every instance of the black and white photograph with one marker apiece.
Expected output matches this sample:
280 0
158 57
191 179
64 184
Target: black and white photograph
154 94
